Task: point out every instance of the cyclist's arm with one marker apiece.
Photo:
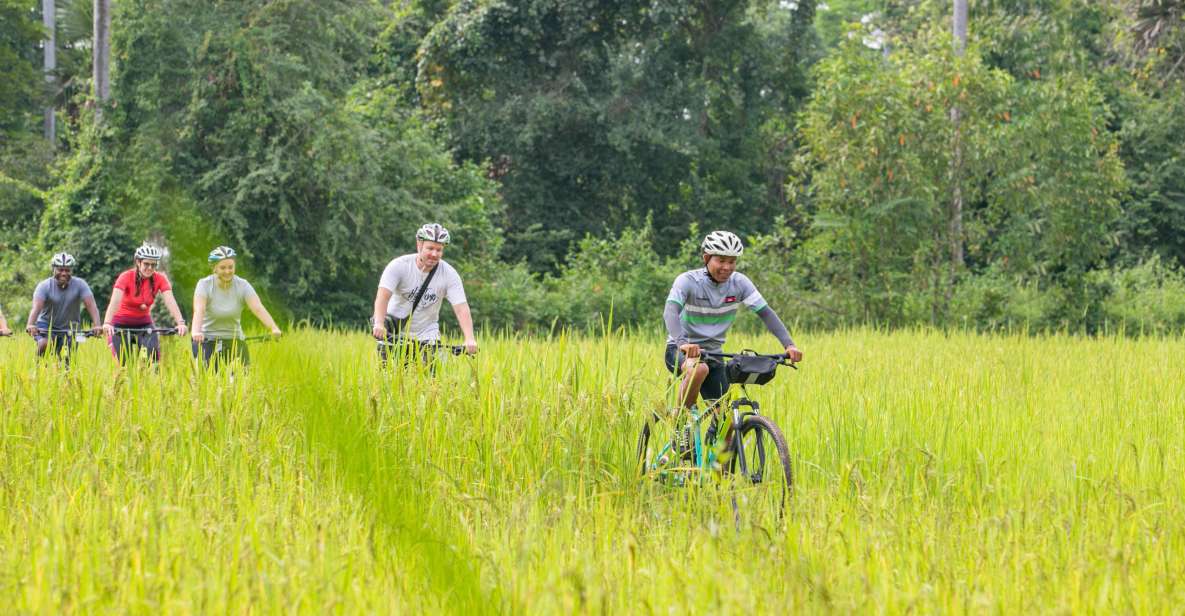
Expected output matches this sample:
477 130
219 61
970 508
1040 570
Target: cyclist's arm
670 316
3 323
93 309
379 318
775 326
465 320
38 306
199 315
262 314
113 305
174 310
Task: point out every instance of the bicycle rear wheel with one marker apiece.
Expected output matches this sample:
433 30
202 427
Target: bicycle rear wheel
659 456
761 467
644 454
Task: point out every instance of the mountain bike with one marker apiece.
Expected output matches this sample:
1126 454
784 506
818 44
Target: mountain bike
214 352
740 446
145 341
64 339
409 352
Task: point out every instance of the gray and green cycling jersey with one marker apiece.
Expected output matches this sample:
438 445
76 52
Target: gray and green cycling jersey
700 310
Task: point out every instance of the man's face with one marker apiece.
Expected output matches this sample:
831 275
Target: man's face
62 275
429 252
720 268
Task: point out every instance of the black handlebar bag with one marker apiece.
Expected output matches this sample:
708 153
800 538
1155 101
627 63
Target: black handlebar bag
751 369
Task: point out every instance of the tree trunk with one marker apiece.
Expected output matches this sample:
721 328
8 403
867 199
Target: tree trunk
48 18
960 26
101 52
955 229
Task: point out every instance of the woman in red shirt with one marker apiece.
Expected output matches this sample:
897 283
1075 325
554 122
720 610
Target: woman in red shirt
130 309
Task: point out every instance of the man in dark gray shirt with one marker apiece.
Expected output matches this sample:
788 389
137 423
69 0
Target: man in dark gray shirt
700 309
57 307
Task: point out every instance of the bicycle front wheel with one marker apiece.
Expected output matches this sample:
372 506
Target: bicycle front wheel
761 467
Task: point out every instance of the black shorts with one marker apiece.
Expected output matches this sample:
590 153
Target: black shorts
57 341
217 352
714 387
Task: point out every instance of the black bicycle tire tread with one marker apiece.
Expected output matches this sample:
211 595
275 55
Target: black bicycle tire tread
779 440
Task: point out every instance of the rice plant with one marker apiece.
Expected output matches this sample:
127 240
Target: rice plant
933 472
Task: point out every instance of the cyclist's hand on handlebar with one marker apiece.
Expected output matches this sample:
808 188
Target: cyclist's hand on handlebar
690 350
379 332
108 329
471 347
182 329
31 330
97 330
793 354
198 336
276 332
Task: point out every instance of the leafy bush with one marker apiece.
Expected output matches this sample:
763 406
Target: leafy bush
1148 298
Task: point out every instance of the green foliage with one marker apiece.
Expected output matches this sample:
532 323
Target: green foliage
595 117
83 219
23 88
1148 298
271 139
316 136
1151 119
1038 172
618 280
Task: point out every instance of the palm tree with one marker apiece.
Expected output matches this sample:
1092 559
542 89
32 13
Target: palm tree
49 15
101 52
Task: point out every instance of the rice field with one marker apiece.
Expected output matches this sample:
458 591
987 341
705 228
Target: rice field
934 473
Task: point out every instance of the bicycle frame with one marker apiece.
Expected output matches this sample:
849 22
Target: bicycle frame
708 454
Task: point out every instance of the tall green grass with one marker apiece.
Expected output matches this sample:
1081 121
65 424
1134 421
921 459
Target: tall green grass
935 472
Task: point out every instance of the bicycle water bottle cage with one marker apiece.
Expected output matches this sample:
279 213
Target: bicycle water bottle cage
748 368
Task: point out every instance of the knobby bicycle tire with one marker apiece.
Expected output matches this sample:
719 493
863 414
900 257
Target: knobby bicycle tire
751 462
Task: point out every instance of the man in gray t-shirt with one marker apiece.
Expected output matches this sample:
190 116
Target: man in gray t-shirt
700 309
57 307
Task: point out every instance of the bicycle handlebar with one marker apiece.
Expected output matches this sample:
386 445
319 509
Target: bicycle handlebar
782 358
455 349
164 331
73 332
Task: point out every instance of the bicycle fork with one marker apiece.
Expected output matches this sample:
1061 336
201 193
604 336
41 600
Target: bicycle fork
728 443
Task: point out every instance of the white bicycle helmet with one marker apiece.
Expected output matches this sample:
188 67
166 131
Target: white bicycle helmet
150 252
722 243
220 253
433 232
63 259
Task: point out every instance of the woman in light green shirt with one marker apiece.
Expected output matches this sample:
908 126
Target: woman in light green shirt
4 331
218 302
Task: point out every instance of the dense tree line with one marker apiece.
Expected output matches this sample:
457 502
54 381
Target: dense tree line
576 148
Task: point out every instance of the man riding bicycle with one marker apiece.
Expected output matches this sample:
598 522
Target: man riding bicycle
407 303
57 302
701 308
